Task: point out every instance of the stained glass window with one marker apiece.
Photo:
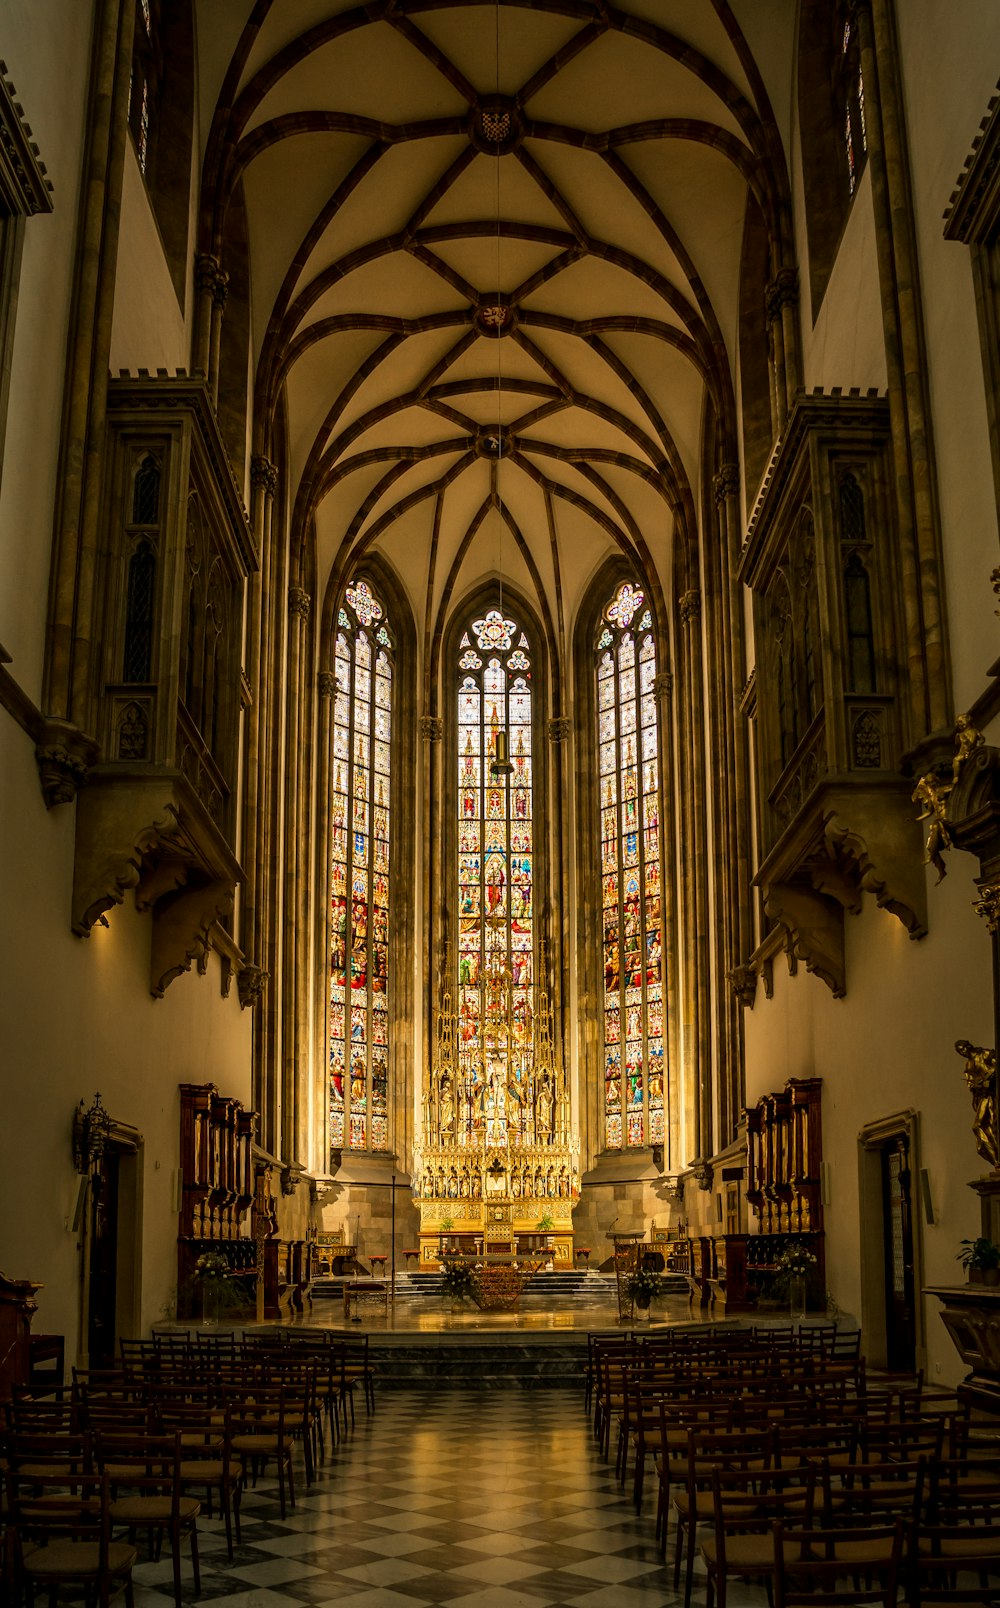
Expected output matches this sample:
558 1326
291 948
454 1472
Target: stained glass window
359 875
629 769
496 865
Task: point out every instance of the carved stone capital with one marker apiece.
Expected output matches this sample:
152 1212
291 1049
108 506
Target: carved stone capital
782 292
988 905
663 686
220 290
703 1174
299 602
263 474
726 481
251 982
326 683
743 982
206 272
690 606
560 728
291 1178
431 728
64 755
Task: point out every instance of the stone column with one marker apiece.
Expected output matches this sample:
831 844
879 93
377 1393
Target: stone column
326 688
673 1096
206 273
72 622
738 934
694 874
257 793
909 402
781 301
296 723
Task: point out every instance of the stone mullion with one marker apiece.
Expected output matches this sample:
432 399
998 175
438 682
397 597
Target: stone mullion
68 667
672 1083
726 489
326 684
902 317
560 729
435 958
298 614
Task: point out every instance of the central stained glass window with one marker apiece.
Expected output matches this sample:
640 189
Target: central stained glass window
629 767
495 852
359 875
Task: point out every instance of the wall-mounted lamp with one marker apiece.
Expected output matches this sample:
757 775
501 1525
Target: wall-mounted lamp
500 764
91 1133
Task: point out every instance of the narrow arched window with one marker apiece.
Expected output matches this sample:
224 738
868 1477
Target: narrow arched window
364 659
138 654
629 773
495 1018
860 636
850 96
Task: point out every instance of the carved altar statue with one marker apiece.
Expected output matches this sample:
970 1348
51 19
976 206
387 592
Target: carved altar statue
980 1075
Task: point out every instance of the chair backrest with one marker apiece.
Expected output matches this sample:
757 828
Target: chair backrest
746 1500
46 1508
950 1563
49 1452
148 1465
811 1564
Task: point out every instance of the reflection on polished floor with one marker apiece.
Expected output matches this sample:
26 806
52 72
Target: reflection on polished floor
433 1315
481 1501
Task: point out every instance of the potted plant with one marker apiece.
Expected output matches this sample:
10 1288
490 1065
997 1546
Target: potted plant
981 1260
643 1286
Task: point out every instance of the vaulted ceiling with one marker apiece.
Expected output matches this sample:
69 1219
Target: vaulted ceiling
494 260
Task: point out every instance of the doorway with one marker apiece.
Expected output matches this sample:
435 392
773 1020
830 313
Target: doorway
890 1260
112 1250
900 1326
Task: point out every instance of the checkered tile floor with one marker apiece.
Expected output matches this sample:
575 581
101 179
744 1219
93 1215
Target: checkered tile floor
480 1500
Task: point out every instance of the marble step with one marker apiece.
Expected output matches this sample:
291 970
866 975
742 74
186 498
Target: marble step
479 1365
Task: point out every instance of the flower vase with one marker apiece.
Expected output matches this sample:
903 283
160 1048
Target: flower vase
642 1311
796 1299
210 1304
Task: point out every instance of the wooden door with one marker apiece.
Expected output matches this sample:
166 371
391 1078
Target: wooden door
102 1338
897 1211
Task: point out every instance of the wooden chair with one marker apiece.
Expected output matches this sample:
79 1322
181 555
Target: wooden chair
60 1535
812 1565
146 1494
208 1463
710 1449
746 1506
953 1563
260 1435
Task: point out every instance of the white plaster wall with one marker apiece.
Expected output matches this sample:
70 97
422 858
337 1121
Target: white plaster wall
51 87
148 328
886 1047
77 1017
941 47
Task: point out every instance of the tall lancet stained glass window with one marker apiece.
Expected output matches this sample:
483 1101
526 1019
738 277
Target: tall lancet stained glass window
496 862
629 765
359 875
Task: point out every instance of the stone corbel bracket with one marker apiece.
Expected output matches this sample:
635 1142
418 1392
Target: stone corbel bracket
974 809
149 831
851 841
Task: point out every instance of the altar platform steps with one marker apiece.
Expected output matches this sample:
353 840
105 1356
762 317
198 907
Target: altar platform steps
559 1288
518 1361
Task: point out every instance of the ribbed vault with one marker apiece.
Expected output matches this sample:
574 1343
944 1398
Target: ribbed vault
494 273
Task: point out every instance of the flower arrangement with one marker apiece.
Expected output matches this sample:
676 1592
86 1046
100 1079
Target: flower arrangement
979 1255
457 1281
211 1268
643 1286
795 1262
546 1223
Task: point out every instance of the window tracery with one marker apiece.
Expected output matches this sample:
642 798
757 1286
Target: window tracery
628 762
364 658
496 948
